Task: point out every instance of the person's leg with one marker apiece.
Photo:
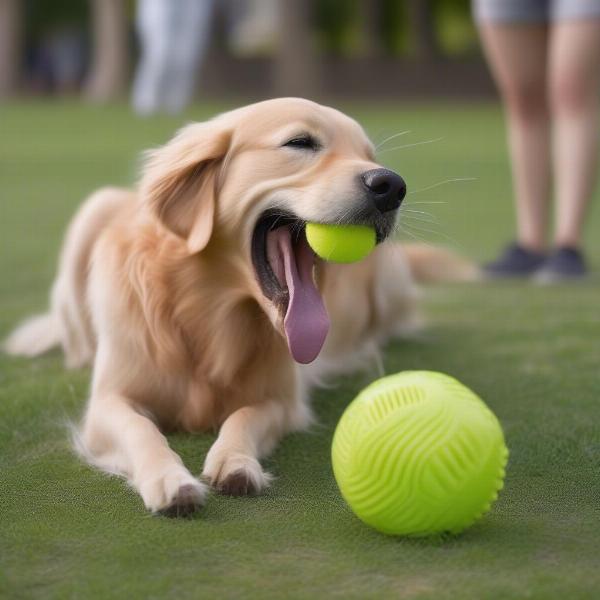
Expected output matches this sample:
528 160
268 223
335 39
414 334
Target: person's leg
574 75
152 69
190 35
517 55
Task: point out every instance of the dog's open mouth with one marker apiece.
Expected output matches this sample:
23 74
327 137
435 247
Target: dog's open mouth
284 264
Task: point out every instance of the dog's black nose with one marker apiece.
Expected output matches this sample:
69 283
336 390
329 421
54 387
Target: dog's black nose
386 188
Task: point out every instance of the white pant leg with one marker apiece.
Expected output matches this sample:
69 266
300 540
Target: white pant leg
152 24
189 37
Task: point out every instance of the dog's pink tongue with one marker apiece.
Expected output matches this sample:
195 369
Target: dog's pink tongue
306 322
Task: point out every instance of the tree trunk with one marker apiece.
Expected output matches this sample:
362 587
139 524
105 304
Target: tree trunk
11 33
421 23
110 53
295 66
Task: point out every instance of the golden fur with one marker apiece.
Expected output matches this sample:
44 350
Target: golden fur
157 289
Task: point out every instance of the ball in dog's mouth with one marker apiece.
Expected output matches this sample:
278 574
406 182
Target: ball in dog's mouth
284 264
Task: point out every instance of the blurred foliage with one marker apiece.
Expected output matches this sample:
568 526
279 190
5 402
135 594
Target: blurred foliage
339 30
43 16
333 20
394 27
454 26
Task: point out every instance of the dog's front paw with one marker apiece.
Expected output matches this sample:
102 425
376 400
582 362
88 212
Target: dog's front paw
174 493
234 474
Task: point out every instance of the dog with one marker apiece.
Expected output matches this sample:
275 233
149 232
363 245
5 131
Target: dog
201 306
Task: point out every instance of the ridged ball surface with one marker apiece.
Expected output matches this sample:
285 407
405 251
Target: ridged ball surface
418 453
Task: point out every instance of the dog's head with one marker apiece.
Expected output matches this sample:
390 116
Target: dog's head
246 183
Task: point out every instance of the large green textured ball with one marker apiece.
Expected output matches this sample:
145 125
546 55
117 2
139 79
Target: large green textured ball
340 243
418 453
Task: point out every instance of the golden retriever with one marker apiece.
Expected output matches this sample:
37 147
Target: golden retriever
198 299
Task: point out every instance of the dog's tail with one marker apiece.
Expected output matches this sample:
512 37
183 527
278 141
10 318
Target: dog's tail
36 335
431 264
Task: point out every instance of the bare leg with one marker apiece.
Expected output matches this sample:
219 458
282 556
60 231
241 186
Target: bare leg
574 96
517 56
119 439
246 435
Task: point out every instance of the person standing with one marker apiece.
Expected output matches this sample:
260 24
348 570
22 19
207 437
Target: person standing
173 36
545 58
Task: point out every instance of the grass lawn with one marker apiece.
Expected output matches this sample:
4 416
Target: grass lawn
67 531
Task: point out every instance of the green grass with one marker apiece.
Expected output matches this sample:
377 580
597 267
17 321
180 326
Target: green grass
67 531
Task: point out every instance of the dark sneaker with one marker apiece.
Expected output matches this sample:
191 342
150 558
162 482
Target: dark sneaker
564 264
515 261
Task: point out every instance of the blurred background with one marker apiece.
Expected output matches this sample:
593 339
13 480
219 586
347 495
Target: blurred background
254 48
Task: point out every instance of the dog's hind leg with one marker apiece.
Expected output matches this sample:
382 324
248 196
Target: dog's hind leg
395 296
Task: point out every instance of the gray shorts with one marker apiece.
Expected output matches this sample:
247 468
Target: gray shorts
534 11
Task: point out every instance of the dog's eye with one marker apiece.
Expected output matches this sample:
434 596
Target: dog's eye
303 142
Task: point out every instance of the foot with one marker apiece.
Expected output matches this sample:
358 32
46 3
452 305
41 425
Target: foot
234 474
187 500
173 493
564 264
515 261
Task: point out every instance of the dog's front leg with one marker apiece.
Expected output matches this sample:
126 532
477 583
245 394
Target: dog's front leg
248 434
118 438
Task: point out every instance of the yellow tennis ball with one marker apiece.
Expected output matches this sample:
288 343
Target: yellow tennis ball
340 243
418 453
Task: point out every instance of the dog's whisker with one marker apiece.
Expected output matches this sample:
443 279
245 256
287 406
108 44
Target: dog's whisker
415 203
435 185
418 212
406 211
447 237
340 220
416 224
412 218
390 138
411 145
374 136
419 239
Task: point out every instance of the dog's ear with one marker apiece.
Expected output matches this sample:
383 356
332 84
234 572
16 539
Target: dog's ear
180 180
